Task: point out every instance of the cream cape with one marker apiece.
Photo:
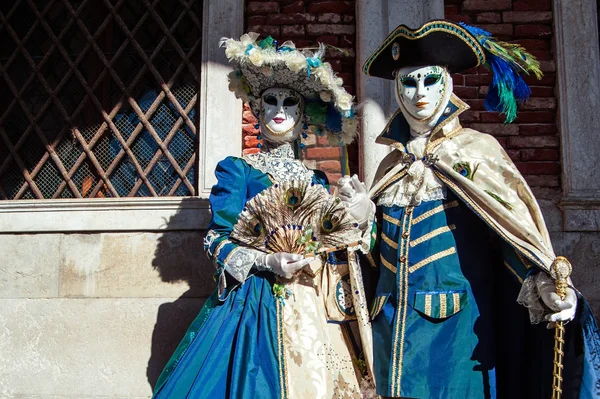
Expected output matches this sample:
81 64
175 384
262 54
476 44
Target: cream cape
489 184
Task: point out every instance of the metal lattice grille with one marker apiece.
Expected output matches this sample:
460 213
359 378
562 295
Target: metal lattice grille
99 98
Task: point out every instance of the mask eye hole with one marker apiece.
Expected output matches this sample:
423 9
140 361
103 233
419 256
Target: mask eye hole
270 99
432 79
408 82
290 102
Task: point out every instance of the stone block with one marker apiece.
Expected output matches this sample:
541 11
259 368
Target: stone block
527 16
534 142
29 265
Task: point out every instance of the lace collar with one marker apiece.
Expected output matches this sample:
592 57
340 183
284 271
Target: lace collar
278 161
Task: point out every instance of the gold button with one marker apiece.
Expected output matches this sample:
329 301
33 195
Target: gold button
405 234
403 259
409 209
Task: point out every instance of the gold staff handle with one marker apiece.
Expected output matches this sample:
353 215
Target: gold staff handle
560 271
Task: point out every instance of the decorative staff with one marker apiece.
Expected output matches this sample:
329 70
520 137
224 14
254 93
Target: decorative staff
560 270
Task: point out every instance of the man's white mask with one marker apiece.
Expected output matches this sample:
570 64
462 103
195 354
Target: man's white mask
422 93
281 112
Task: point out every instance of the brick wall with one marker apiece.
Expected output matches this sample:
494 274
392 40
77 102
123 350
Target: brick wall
532 140
306 23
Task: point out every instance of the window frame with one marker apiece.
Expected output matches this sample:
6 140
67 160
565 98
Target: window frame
220 19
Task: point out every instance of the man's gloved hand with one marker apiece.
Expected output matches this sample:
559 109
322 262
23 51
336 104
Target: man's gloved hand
565 309
281 263
354 193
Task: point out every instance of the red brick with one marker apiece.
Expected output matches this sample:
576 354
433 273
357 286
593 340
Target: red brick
542 55
537 130
451 10
249 151
540 103
532 5
460 18
329 166
538 168
492 117
348 19
498 29
489 18
539 155
478 80
535 117
297 6
458 79
465 92
515 155
323 153
548 193
540 91
336 65
249 130
333 177
548 79
470 116
543 180
329 39
533 44
527 16
533 31
329 18
487 5
265 30
548 66
502 141
496 129
483 90
292 31
345 53
476 105
262 7
256 20
347 41
343 7
251 141
289 19
324 29
533 142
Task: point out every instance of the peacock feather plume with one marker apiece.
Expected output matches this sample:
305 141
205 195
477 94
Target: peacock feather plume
507 61
295 217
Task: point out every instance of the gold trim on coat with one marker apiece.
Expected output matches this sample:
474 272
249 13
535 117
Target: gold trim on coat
432 234
432 258
437 209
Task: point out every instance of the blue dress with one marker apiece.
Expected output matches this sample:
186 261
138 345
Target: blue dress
236 347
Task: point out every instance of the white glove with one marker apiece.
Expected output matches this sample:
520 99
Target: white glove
281 263
565 309
354 194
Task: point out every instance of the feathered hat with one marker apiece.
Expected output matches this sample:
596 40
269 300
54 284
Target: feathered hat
459 47
263 64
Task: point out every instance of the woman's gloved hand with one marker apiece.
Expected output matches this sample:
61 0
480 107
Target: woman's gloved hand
565 309
281 263
354 194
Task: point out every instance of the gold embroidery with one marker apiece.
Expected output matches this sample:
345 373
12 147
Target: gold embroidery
432 234
389 241
525 263
432 259
490 222
390 219
388 265
456 302
400 327
428 305
442 306
434 211
513 271
281 346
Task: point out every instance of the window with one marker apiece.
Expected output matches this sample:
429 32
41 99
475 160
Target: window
99 98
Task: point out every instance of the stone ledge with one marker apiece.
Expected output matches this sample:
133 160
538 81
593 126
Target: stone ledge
580 214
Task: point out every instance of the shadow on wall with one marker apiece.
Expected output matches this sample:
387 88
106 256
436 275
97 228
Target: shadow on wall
179 257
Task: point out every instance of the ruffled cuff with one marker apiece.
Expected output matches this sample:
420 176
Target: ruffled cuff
529 297
237 265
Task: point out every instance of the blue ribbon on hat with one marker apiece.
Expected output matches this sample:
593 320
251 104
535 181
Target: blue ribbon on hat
313 62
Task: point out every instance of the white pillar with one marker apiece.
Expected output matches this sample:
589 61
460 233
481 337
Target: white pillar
375 20
578 80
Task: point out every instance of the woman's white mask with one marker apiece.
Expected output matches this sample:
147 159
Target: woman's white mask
420 91
281 111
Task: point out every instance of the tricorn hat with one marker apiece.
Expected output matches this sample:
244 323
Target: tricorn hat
437 42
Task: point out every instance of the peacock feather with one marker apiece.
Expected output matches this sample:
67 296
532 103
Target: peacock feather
507 61
295 217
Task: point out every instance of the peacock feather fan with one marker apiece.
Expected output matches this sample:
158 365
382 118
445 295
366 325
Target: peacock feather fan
295 217
507 61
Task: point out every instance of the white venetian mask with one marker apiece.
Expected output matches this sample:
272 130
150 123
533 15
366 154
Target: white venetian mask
420 91
281 111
